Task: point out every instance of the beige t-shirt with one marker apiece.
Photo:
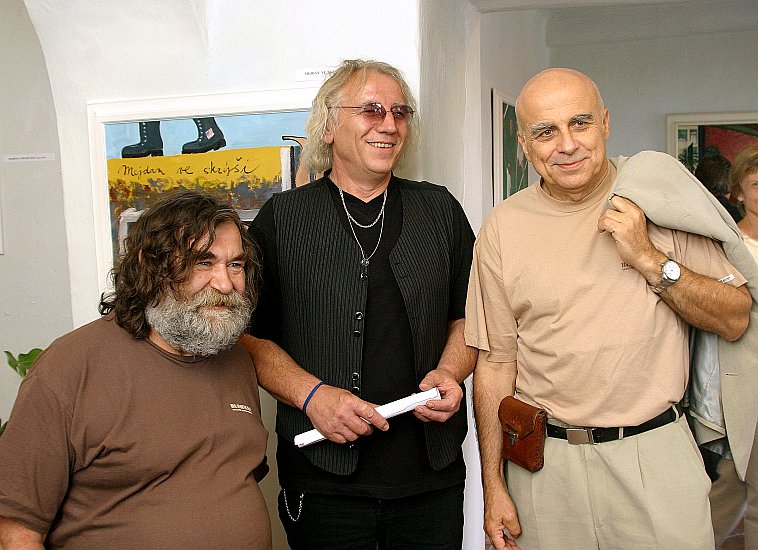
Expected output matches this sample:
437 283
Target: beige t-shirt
593 344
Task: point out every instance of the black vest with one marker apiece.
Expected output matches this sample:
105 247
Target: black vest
323 296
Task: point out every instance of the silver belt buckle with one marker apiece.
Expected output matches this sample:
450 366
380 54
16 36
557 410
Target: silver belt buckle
580 436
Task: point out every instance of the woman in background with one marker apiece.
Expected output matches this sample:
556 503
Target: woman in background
730 497
744 184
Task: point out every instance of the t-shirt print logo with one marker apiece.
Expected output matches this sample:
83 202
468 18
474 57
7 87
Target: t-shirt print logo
241 408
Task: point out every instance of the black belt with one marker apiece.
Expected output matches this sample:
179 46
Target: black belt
578 436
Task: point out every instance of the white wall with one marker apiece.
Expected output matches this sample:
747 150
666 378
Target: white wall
513 50
450 112
650 61
35 305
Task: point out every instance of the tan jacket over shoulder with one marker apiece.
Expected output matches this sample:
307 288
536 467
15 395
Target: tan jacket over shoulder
672 197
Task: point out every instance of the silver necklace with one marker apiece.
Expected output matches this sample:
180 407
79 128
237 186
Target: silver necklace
365 259
352 219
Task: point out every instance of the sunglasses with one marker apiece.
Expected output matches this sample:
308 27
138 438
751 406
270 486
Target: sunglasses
376 112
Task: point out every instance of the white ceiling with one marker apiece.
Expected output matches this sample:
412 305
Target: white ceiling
506 5
620 20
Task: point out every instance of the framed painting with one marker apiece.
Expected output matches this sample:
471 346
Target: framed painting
510 169
691 137
241 148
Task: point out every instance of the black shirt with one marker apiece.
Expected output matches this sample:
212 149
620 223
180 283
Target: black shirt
394 463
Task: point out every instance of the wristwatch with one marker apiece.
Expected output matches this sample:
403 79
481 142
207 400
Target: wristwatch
671 273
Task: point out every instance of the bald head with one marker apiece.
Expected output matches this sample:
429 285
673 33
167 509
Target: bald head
551 79
563 127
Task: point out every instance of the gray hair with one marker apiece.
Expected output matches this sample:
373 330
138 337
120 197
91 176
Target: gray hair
317 154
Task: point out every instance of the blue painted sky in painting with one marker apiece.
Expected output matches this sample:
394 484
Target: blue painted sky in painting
249 130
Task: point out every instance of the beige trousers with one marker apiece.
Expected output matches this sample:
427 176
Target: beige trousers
649 491
730 498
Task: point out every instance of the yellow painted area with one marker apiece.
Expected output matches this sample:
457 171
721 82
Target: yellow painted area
227 170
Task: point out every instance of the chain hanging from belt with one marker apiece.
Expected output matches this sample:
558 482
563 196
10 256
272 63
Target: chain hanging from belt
299 506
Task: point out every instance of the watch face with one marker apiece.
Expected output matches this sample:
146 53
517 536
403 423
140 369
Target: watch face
671 271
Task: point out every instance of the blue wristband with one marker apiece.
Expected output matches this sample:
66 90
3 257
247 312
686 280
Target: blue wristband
308 399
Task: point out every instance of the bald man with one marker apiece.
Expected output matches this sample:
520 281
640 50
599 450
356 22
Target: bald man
584 312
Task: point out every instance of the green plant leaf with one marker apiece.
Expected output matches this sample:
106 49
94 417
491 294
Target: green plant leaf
24 361
20 365
11 360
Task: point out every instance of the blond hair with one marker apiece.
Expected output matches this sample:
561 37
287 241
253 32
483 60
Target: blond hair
317 154
744 163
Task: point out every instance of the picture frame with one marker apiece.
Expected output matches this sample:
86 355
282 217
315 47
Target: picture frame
219 170
511 171
691 136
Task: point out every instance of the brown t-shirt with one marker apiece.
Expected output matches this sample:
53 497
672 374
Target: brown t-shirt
594 345
114 443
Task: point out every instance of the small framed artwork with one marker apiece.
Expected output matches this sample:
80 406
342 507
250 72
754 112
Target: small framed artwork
691 137
510 169
241 148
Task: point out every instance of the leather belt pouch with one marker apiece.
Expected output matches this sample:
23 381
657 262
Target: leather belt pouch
523 433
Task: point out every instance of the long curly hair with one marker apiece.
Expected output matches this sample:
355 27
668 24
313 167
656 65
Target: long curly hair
317 154
160 252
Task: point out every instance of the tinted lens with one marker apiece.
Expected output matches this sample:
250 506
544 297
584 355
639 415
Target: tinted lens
374 111
401 111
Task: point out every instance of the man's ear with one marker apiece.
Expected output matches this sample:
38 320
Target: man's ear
328 136
606 123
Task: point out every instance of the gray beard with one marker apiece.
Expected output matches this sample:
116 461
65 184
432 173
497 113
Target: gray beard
192 327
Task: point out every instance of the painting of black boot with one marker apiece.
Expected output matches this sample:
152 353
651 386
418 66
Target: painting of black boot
209 137
150 142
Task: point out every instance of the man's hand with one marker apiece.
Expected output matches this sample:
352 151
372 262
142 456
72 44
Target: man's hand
341 416
628 227
439 410
492 381
500 516
705 303
455 364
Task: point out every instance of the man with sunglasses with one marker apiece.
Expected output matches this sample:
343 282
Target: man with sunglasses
363 295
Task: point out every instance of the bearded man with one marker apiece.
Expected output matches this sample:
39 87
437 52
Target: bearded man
143 428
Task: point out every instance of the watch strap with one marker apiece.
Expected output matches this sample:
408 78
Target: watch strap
665 281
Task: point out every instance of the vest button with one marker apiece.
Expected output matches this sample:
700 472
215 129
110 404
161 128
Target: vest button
356 333
355 376
359 315
356 390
